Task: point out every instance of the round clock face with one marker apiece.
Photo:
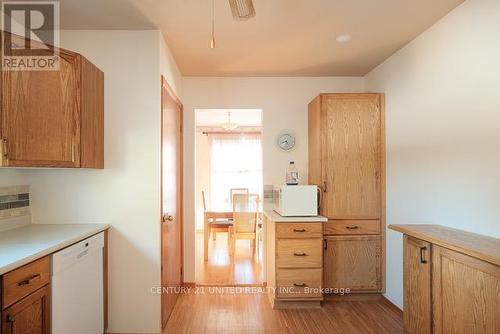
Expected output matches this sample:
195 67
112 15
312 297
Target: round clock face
286 142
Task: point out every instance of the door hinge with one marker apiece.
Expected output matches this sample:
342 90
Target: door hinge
325 244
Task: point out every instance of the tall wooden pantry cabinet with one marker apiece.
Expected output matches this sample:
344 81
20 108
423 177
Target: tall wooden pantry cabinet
346 161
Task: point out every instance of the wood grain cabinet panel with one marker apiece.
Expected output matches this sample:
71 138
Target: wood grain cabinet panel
22 281
298 283
466 293
351 165
417 286
53 118
299 253
299 230
31 315
353 262
349 227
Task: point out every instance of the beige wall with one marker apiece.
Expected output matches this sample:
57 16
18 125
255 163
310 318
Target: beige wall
202 162
443 128
126 194
284 107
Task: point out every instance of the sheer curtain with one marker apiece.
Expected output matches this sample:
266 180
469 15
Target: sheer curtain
235 162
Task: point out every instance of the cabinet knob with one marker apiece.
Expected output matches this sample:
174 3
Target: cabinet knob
9 318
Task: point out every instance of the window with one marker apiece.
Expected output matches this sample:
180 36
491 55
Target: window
235 162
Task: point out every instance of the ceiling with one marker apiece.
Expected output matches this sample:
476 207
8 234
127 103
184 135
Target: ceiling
215 117
286 38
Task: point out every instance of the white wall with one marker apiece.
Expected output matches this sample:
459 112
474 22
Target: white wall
126 194
284 103
443 128
202 162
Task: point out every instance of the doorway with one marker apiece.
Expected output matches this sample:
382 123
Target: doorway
228 172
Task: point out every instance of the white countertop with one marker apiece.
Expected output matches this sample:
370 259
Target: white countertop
25 244
275 217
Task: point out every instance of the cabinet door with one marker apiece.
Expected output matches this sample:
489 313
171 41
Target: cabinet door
31 315
351 156
417 286
465 292
40 123
353 262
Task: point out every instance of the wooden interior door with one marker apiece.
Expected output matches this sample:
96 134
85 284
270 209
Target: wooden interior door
171 198
40 110
353 262
351 156
417 286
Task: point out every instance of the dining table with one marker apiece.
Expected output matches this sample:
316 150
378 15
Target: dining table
210 217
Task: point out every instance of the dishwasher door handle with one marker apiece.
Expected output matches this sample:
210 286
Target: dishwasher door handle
82 254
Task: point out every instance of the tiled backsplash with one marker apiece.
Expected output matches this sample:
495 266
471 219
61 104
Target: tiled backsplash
14 201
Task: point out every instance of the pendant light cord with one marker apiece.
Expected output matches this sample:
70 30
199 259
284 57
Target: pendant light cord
212 41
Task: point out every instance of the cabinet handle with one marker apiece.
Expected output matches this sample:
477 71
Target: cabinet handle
29 280
352 227
301 230
325 244
4 148
319 198
9 318
73 152
324 187
422 255
301 285
299 254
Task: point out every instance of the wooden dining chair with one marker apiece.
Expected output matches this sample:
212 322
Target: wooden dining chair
235 191
245 211
218 224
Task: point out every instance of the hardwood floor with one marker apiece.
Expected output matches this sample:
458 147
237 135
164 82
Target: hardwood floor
207 312
220 269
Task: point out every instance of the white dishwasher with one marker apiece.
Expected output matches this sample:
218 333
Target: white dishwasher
77 288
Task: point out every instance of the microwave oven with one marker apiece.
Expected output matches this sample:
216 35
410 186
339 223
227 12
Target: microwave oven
296 200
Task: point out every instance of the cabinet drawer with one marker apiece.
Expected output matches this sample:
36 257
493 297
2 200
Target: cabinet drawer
299 253
298 283
348 227
21 282
299 230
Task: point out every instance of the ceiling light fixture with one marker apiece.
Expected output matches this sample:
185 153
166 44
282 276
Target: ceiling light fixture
343 38
212 40
242 9
229 126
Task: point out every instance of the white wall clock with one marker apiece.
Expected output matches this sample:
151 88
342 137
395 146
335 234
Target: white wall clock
286 141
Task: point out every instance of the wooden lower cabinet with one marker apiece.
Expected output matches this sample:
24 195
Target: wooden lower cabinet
451 281
30 315
466 293
417 286
353 262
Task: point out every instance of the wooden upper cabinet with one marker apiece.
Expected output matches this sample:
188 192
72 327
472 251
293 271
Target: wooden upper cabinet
417 286
53 118
346 150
